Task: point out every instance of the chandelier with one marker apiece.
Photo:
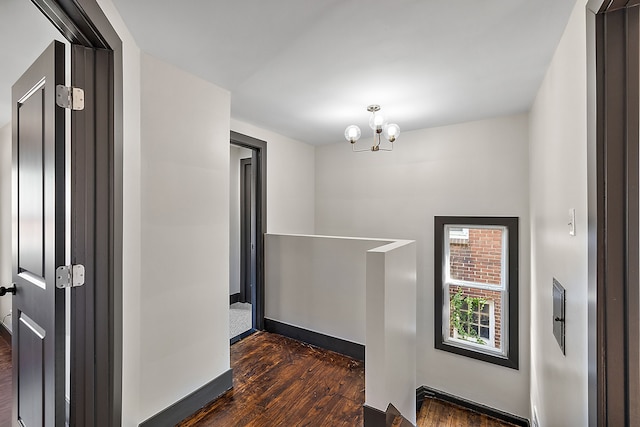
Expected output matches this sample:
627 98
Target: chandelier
378 123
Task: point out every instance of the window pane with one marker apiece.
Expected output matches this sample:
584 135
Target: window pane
477 259
475 316
484 333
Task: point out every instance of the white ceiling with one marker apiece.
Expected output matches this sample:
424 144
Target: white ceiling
309 68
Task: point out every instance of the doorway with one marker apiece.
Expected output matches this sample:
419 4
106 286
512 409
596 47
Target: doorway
94 342
246 242
242 237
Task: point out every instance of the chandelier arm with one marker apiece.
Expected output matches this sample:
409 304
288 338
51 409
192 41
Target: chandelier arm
360 150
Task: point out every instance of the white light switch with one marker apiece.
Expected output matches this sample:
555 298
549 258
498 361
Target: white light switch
572 222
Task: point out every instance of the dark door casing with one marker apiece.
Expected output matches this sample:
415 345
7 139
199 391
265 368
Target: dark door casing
613 67
247 231
259 214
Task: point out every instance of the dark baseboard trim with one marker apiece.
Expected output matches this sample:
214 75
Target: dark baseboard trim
242 336
234 298
4 333
374 417
421 395
191 403
424 392
327 342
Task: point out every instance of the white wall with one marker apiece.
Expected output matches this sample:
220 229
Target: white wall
477 168
290 180
318 283
184 340
237 153
390 354
558 177
5 219
176 231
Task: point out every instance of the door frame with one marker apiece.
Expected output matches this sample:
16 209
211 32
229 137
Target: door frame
259 163
97 142
613 95
245 279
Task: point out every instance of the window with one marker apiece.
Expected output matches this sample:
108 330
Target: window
476 288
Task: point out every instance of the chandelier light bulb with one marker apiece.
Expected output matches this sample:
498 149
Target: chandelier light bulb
352 133
377 121
391 132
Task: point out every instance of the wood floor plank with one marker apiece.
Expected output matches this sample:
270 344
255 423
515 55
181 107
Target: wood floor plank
424 411
322 408
5 383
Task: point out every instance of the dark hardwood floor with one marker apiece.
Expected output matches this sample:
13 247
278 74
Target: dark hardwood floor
444 414
282 382
5 382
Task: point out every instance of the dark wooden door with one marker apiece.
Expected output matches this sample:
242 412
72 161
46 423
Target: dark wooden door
38 243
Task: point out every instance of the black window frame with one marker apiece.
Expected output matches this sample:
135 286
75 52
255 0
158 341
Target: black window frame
511 360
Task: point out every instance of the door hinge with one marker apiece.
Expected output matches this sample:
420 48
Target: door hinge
69 276
70 97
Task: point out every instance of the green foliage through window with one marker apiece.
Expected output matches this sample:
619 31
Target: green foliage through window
464 316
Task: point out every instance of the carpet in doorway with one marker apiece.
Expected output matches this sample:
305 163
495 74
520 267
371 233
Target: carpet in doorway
239 318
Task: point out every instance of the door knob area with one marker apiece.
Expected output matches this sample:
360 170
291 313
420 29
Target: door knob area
11 290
